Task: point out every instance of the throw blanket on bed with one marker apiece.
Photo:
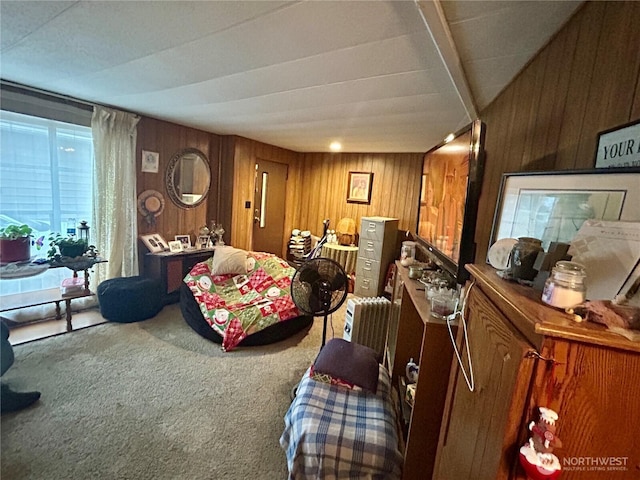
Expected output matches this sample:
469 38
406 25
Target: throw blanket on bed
238 305
335 433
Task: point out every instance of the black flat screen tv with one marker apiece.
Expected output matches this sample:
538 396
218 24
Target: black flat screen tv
451 181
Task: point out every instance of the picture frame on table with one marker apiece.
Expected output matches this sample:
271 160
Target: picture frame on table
203 241
185 240
176 246
552 206
151 241
161 241
359 187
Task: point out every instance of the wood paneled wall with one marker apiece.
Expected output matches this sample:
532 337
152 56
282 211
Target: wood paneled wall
323 191
587 79
167 139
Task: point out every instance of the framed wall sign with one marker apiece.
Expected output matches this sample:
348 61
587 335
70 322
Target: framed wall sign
360 184
619 146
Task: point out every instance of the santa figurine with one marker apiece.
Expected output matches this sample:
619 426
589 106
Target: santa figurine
536 455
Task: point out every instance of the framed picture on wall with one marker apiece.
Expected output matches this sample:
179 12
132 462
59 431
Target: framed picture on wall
359 187
150 161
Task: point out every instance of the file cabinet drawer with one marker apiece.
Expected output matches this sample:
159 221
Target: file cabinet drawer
370 249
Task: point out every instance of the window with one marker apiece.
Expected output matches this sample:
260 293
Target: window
46 179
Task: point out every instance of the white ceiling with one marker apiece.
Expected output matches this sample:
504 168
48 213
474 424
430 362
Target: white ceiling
379 76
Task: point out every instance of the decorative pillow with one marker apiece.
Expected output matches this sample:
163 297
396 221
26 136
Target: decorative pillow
347 364
228 260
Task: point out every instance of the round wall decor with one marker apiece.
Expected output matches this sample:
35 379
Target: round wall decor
150 205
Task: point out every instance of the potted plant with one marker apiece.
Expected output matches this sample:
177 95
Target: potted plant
15 243
69 246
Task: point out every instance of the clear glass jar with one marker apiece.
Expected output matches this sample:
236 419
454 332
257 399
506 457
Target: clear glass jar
408 253
565 287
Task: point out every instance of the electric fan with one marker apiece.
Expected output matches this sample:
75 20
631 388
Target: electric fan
319 287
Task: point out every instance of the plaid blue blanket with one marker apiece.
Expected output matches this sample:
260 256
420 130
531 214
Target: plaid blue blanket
332 432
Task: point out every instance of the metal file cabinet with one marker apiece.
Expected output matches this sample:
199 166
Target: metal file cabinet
376 250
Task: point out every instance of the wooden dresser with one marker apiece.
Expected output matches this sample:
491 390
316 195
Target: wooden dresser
171 268
524 355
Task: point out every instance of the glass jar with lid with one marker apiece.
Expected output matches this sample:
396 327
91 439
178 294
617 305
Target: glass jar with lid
408 253
565 287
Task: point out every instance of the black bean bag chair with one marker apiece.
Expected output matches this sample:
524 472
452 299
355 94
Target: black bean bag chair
130 299
274 333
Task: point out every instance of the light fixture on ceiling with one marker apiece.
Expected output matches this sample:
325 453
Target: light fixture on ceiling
449 137
335 146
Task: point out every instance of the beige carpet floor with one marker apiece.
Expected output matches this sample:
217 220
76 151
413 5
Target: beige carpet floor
153 400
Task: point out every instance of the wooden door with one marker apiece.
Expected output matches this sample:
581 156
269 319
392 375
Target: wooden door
480 429
269 207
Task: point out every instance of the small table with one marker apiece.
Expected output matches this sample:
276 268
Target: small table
345 255
49 295
77 264
41 297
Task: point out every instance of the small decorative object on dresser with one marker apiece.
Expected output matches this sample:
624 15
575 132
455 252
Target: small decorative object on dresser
154 242
185 240
175 246
203 241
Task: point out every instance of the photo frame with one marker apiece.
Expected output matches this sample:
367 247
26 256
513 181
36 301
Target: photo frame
619 147
150 161
203 241
359 187
552 206
151 242
175 246
161 241
184 239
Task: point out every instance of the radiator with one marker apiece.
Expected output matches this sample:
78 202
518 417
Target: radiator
366 322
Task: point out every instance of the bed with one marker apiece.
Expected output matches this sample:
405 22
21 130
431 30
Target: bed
241 301
333 432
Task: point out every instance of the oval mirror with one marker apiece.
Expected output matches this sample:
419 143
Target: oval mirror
188 178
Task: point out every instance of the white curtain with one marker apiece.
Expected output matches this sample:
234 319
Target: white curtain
114 229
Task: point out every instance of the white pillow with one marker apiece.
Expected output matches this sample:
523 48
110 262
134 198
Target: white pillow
229 260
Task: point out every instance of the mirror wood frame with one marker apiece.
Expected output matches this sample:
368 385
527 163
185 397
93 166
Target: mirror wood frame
173 166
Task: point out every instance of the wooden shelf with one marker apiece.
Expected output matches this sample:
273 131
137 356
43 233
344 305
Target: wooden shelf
425 339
